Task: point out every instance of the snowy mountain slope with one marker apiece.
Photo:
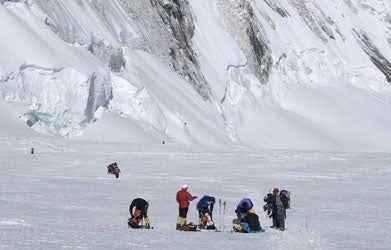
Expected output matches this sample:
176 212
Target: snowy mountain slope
275 74
62 85
179 112
10 122
301 73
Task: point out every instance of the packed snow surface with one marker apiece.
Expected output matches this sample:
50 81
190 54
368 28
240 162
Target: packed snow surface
61 197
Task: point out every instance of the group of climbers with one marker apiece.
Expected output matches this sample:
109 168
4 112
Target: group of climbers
276 204
247 220
204 206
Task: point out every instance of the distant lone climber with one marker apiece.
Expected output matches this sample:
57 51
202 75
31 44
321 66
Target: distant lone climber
113 169
32 150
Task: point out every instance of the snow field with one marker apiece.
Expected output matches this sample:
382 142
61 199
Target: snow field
61 197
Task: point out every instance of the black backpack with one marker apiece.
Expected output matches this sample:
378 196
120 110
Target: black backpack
285 198
268 198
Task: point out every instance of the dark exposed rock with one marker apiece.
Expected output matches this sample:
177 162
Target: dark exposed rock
280 10
328 32
259 52
177 18
374 54
247 30
312 20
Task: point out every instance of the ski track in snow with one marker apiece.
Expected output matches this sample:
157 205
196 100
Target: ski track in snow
61 197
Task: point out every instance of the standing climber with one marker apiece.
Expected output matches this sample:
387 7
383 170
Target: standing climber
183 198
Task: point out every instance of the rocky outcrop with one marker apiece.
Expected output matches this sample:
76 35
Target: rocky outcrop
248 31
275 5
374 54
318 26
177 19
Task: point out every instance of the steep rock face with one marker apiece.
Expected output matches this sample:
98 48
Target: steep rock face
382 12
276 6
315 22
374 54
248 31
176 17
164 28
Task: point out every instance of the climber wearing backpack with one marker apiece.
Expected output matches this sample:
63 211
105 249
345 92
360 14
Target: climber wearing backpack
113 169
279 201
205 205
243 208
138 210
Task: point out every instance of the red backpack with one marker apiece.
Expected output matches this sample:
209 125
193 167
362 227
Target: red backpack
137 218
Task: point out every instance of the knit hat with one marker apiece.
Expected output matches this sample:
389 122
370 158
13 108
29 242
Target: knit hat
184 186
275 190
